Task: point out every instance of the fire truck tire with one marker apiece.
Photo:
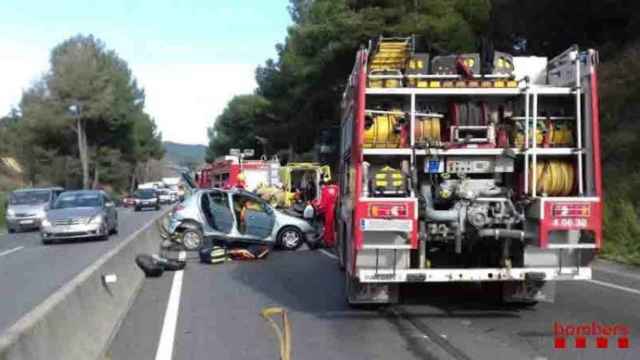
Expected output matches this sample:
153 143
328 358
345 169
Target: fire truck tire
498 293
290 238
341 248
352 288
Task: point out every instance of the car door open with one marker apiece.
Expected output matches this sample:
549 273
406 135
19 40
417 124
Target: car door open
255 218
218 213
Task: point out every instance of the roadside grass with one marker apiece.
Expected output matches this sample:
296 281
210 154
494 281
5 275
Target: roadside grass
621 231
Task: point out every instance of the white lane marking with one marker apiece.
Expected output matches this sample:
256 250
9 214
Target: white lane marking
614 286
7 252
328 254
167 336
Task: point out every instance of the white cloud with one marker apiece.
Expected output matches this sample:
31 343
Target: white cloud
185 99
20 66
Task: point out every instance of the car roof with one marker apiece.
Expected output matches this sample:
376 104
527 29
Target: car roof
235 191
39 189
83 192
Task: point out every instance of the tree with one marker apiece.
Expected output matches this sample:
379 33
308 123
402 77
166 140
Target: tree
88 106
148 145
304 84
96 89
236 126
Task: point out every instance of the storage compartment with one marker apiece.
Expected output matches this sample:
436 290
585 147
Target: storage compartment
386 177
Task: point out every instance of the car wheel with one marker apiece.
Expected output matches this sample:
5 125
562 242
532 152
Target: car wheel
47 241
192 239
136 209
11 231
157 207
290 238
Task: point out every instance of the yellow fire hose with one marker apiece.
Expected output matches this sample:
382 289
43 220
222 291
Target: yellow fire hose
427 129
553 177
284 333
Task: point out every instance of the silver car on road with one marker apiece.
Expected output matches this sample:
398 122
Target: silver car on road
236 216
27 208
80 214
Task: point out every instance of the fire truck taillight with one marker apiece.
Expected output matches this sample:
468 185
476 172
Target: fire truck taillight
388 210
571 210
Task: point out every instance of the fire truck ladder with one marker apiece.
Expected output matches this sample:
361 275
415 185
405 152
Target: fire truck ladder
531 118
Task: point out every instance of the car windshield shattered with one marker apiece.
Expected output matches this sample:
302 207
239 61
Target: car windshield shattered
29 197
66 201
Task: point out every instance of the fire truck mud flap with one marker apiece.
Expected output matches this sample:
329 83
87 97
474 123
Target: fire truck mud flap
359 293
530 291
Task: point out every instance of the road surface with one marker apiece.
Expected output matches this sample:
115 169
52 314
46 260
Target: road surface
31 271
212 311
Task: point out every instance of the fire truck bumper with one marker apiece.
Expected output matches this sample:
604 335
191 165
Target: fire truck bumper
473 275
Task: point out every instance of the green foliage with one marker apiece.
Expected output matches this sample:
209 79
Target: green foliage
43 134
184 154
300 91
621 231
236 126
611 27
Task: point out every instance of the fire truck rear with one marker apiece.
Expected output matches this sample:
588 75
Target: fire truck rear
468 168
228 171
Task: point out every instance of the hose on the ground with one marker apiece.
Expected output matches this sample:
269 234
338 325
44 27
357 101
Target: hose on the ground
283 333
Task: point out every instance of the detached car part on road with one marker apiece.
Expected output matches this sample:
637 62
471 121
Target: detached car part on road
236 217
79 215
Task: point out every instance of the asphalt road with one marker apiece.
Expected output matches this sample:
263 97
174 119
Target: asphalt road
31 271
218 316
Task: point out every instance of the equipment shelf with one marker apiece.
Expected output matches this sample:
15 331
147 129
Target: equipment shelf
471 151
542 117
472 91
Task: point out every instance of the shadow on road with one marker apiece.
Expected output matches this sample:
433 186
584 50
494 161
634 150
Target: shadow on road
302 281
307 281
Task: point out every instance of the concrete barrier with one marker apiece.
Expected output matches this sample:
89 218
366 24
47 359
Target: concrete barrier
79 320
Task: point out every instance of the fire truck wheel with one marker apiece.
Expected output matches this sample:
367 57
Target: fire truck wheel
290 238
341 248
500 293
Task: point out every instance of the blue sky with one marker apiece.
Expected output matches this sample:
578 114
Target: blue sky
191 56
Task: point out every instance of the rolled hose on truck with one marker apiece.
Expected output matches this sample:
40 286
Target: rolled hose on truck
553 177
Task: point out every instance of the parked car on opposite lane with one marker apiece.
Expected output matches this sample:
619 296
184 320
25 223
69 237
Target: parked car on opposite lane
146 199
80 215
235 216
27 208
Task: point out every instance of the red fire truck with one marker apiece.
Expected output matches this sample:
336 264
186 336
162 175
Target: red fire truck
225 172
457 170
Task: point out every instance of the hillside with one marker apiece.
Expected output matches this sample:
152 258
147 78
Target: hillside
183 154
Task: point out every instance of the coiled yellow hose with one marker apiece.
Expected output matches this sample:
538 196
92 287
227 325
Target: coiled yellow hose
553 177
427 129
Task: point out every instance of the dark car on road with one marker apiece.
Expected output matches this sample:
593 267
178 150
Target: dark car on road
146 199
80 214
